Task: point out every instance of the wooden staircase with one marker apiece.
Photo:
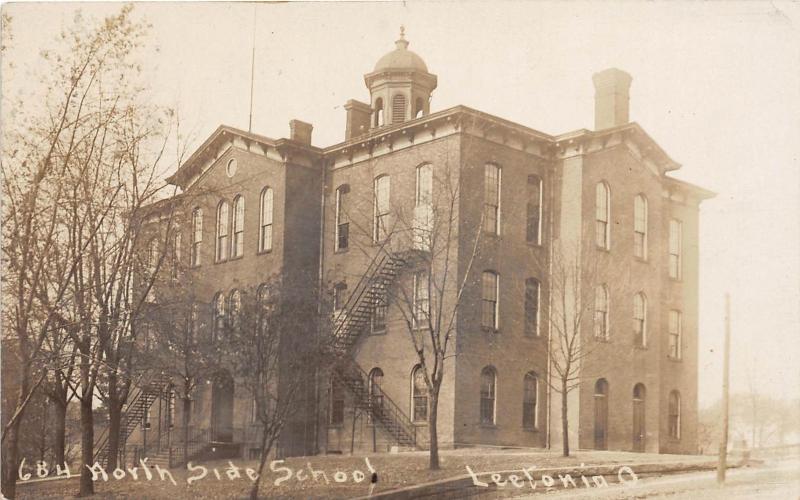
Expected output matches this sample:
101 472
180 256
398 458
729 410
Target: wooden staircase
352 322
132 415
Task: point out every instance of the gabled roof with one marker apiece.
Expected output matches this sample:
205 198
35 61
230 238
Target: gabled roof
223 133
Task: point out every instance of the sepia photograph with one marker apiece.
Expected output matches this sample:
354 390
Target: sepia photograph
400 249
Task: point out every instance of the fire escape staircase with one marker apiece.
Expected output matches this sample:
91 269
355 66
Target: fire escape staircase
351 323
132 415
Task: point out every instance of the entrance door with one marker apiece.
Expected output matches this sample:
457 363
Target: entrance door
222 408
638 418
601 415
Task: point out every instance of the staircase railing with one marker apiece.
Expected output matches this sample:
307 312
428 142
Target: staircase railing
378 403
140 398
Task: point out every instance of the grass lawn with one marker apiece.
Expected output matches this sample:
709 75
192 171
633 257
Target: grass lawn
394 471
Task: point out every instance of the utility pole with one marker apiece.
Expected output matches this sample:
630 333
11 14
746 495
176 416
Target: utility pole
723 442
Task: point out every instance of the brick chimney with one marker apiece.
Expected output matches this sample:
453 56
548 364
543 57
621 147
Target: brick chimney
300 131
358 117
611 96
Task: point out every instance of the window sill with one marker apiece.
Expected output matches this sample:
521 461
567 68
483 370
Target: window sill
602 249
642 260
238 257
530 429
341 250
489 329
605 340
640 347
674 359
264 252
534 244
676 280
420 423
488 426
378 332
532 337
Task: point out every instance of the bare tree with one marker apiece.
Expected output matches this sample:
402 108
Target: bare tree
272 359
429 299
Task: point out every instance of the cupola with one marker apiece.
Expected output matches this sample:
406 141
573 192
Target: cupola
400 86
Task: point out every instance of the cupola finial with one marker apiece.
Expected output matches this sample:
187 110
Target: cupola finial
401 42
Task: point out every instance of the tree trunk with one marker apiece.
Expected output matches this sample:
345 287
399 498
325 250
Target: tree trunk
264 453
87 429
11 445
11 460
564 421
114 422
60 438
434 438
187 406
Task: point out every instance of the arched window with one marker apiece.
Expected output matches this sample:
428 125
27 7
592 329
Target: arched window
265 221
529 399
674 334
235 302
419 395
490 286
375 392
532 298
342 238
640 226
639 392
337 403
602 206
491 198
152 256
640 319
424 194
398 108
419 107
601 312
219 316
533 233
222 231
197 235
237 249
378 122
675 415
382 191
488 395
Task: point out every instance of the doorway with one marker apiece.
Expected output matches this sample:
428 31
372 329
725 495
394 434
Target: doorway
638 417
601 415
222 408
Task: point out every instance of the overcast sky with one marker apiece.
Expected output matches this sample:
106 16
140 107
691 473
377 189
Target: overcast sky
717 85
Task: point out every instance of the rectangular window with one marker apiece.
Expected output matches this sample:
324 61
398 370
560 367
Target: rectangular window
602 205
382 208
640 227
490 290
176 257
342 218
491 199
337 404
534 220
531 307
379 310
675 334
675 237
422 303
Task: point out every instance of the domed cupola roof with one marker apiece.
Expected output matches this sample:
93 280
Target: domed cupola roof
401 58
